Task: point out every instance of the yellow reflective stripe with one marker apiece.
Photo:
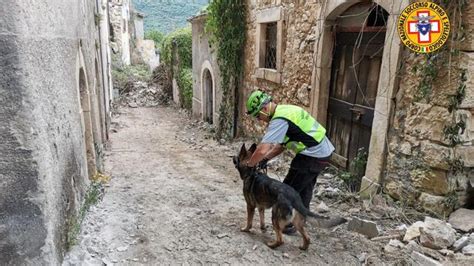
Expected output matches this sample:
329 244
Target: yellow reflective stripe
317 132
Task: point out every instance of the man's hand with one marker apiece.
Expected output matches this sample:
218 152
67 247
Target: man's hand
263 163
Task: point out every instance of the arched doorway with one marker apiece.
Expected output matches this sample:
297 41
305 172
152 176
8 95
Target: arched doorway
86 118
322 78
356 63
208 87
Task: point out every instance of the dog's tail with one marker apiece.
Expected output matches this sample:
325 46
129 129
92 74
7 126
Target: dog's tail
322 221
298 205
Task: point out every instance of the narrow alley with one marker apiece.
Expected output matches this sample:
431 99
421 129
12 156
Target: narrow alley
175 197
120 120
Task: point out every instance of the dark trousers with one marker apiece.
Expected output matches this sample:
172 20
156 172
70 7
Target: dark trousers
303 173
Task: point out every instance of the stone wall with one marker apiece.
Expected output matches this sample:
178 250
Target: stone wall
43 166
119 26
298 38
145 53
424 167
421 166
204 58
138 22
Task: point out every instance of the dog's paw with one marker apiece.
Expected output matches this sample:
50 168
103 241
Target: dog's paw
245 229
263 228
274 244
304 247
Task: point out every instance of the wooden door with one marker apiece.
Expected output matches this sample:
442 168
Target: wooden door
209 91
354 81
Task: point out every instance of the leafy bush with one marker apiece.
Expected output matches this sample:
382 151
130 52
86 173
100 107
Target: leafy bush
180 63
185 84
156 36
182 40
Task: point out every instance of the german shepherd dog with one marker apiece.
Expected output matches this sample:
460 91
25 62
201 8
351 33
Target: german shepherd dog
263 192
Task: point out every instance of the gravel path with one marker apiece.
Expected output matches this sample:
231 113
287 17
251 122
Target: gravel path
175 197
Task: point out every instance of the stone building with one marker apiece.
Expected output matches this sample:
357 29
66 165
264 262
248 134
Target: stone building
343 61
54 106
120 15
143 51
207 93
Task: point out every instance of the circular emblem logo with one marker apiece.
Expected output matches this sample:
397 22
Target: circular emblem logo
423 27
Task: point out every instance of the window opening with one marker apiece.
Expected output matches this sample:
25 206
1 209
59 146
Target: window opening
270 45
378 17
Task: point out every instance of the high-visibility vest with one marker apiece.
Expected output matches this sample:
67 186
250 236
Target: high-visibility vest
303 131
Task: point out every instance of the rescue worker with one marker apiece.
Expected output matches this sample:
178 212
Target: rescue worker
293 128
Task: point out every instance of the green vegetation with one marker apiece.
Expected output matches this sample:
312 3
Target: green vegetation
156 36
185 84
74 224
176 54
428 72
353 177
180 40
456 100
453 131
226 25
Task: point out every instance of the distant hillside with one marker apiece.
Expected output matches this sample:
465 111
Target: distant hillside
168 15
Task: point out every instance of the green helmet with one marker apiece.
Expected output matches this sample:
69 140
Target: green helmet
256 102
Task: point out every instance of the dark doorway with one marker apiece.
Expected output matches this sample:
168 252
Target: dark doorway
209 97
359 41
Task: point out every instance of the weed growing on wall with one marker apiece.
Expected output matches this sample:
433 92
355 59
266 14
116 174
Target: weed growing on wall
446 57
449 57
353 177
226 25
93 195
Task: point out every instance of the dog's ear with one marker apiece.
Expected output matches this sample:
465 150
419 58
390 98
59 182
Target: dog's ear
235 159
243 151
253 148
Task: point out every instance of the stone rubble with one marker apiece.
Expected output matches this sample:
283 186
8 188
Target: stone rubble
462 219
365 227
413 231
143 94
434 242
437 234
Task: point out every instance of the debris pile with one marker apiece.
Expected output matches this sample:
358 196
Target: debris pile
429 242
141 94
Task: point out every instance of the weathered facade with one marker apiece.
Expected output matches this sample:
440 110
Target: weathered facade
304 53
143 51
54 104
120 15
290 80
207 93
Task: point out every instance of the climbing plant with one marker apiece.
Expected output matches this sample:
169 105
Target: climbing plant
226 25
181 40
176 54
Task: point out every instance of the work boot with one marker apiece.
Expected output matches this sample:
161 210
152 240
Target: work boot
289 229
